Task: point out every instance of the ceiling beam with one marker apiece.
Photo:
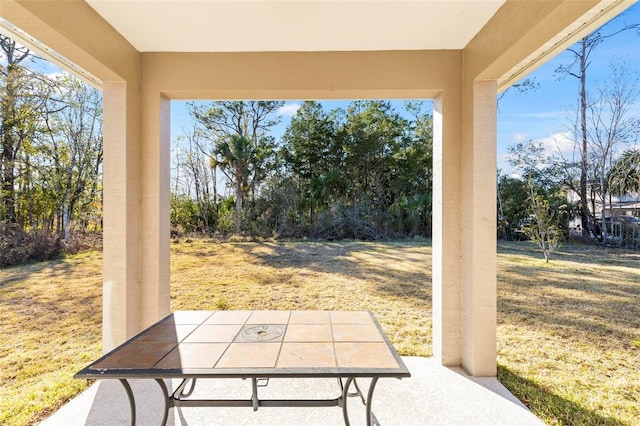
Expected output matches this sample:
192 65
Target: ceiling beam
78 34
523 35
302 75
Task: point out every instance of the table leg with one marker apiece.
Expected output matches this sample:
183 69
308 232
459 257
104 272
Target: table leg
345 396
371 419
165 395
179 393
132 401
254 393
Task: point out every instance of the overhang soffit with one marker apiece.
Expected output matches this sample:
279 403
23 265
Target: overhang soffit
524 34
77 33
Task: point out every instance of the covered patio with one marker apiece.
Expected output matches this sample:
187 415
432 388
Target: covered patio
433 395
460 54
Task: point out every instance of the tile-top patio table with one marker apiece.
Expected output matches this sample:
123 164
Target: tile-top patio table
256 345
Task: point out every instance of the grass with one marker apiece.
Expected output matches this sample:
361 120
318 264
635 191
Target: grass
50 327
392 279
568 331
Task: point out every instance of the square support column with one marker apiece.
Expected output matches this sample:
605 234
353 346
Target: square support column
464 231
155 226
122 210
447 229
136 211
479 229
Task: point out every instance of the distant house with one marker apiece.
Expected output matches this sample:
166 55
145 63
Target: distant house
627 205
622 218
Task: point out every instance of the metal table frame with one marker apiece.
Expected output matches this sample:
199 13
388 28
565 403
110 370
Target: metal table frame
179 399
259 378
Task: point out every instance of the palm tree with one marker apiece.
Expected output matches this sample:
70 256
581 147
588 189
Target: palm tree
234 156
624 177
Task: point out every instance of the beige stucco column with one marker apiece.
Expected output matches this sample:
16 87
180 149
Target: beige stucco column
447 232
121 236
464 237
478 168
155 199
136 211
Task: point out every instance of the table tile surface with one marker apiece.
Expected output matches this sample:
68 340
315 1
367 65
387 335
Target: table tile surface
372 355
227 340
310 317
350 317
214 333
136 355
308 333
190 317
193 355
166 333
250 355
356 333
269 317
309 355
229 317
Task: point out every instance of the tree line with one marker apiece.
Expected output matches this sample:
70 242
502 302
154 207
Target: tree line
50 158
582 180
361 172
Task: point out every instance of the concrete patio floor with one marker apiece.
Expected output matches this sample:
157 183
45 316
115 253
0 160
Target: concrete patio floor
434 395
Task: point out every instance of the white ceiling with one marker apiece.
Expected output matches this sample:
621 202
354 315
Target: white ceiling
295 25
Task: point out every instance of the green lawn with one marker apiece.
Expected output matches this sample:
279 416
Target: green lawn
568 332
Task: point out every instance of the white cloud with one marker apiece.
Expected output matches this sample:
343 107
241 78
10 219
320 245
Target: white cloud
542 114
289 109
503 162
559 143
56 75
519 137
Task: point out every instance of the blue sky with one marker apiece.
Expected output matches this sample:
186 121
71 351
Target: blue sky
543 114
548 112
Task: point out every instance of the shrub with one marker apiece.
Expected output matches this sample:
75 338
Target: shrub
82 241
12 249
42 245
341 222
18 246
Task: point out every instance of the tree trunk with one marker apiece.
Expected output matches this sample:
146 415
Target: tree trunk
584 207
215 187
603 215
8 181
66 221
10 144
9 150
238 202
